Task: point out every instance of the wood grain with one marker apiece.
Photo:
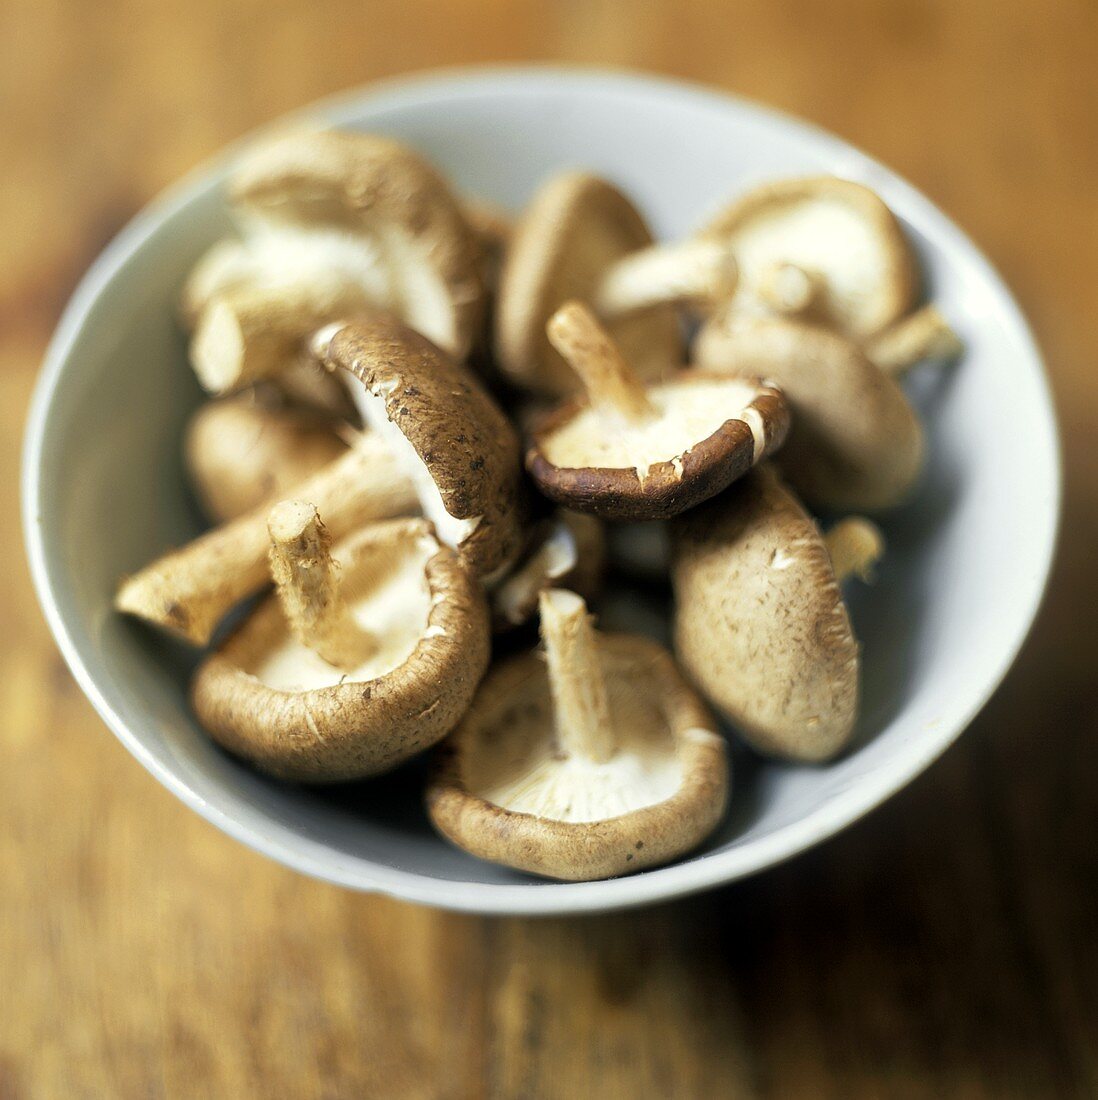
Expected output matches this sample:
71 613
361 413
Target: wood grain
947 946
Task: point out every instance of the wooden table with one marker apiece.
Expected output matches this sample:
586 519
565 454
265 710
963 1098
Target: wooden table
946 946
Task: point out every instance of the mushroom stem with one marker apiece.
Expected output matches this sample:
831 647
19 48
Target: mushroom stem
580 702
924 334
789 289
855 546
693 271
307 581
610 382
189 591
257 332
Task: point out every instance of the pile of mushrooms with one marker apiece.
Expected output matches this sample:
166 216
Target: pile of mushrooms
426 419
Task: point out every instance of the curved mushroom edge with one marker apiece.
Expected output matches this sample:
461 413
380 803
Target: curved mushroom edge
584 851
790 691
856 444
352 730
458 431
532 286
671 486
903 288
353 178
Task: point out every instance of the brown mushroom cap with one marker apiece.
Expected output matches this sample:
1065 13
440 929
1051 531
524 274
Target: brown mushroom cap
460 447
759 622
840 234
492 227
855 443
633 452
507 789
573 230
266 697
246 450
333 222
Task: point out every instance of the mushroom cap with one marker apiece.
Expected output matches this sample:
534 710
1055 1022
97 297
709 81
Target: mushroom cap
659 796
245 450
265 697
492 227
709 430
336 193
855 443
566 550
469 449
832 227
759 621
574 228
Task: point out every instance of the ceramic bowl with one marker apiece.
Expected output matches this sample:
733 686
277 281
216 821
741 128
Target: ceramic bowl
967 559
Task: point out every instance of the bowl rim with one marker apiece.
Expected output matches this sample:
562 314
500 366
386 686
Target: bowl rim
708 870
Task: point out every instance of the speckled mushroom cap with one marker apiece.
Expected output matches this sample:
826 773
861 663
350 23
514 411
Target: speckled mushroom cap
838 232
574 228
759 620
267 698
504 789
855 443
458 446
332 221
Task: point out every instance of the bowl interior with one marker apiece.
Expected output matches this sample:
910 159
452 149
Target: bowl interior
966 559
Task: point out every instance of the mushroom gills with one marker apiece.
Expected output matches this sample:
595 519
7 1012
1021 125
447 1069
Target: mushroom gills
520 771
386 592
609 749
275 255
451 530
811 236
683 416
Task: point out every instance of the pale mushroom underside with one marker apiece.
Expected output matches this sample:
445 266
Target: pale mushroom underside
386 589
685 415
511 757
382 267
833 230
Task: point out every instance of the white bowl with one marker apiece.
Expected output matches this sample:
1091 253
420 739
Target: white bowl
967 562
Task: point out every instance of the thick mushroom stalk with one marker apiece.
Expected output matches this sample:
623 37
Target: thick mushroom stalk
855 545
307 581
581 704
924 334
789 289
702 271
190 590
611 383
253 332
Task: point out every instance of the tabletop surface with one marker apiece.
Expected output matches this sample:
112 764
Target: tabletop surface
945 946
